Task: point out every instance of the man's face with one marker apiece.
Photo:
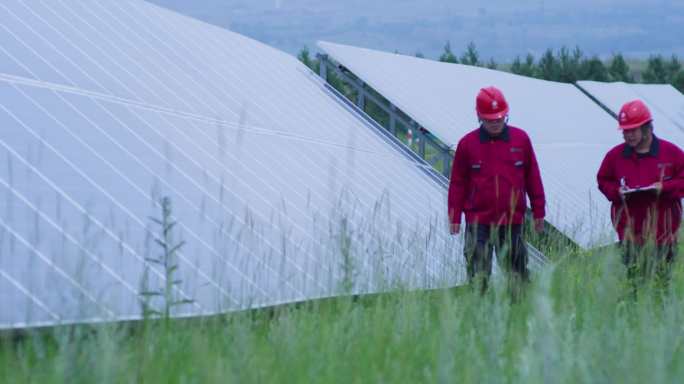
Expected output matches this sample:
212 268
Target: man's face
494 127
633 137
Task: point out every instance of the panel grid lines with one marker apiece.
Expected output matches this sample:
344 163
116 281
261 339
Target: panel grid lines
275 184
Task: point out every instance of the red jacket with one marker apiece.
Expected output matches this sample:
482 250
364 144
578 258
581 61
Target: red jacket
635 217
491 178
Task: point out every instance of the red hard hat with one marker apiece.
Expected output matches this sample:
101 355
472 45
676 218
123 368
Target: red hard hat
633 115
490 104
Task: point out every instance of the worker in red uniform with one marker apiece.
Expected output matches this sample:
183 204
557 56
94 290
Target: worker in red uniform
643 178
493 173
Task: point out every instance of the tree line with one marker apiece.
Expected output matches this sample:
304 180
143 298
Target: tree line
564 65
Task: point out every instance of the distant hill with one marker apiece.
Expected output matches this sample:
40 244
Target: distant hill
501 29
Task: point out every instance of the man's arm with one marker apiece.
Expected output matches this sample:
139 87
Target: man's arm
534 185
674 187
608 183
457 187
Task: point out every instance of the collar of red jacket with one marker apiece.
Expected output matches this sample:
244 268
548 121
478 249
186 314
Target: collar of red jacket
485 136
628 151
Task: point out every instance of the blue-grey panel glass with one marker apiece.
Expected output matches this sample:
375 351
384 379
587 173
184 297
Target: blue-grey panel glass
107 107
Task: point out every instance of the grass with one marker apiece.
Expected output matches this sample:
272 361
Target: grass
577 322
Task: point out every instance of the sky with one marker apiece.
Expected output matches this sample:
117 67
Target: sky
501 29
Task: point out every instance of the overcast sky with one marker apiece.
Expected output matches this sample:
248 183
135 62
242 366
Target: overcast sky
500 28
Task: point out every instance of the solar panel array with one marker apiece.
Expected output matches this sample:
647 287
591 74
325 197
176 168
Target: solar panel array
665 102
570 133
280 192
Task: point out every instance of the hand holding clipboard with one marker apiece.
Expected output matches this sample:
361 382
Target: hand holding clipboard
625 190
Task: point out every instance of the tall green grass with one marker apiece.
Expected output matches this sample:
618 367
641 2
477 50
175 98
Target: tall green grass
577 322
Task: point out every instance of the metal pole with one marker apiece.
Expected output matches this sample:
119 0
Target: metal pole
393 120
323 67
421 143
446 170
361 97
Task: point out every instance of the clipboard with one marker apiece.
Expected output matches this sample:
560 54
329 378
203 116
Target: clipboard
637 190
627 191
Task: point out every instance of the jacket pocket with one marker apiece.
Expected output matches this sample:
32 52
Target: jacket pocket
482 198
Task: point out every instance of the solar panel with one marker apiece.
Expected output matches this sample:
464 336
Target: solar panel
570 133
664 101
280 192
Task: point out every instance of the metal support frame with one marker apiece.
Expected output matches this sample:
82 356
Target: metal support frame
595 100
423 138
